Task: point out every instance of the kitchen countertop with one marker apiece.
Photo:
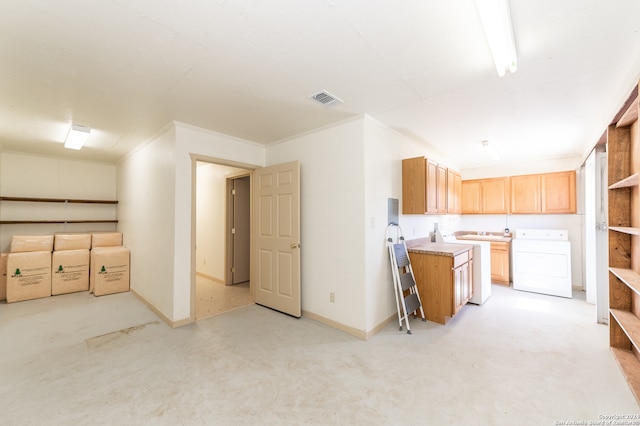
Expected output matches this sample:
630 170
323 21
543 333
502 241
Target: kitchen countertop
440 249
485 237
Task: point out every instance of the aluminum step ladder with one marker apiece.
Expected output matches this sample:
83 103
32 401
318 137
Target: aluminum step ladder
404 282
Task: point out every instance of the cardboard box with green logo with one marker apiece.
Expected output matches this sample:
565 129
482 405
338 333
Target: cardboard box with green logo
3 276
109 271
28 275
70 271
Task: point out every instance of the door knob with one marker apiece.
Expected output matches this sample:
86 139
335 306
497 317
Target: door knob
296 245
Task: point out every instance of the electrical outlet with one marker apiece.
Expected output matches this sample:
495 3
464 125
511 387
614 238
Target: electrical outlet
204 261
332 297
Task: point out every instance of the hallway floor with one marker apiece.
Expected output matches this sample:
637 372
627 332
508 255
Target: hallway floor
213 298
520 358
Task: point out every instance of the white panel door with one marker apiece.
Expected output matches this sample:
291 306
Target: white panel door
276 251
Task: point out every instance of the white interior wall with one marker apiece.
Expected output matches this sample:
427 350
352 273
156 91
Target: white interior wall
156 189
29 175
146 180
347 174
384 150
210 220
332 215
561 164
193 143
211 217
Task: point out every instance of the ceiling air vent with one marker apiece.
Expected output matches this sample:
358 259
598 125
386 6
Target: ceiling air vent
326 98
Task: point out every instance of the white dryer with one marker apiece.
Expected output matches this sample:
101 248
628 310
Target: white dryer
542 261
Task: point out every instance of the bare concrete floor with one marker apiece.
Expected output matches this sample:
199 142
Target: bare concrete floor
520 358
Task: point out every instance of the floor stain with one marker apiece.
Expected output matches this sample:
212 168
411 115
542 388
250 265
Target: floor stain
105 340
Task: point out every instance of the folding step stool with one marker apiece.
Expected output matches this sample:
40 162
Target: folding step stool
403 279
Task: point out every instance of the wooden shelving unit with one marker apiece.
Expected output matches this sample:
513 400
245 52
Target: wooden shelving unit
623 153
55 200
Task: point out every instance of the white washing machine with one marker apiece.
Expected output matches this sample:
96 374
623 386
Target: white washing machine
481 265
541 260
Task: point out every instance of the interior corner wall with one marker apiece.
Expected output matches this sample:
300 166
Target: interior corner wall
37 176
384 149
332 220
190 144
146 181
155 215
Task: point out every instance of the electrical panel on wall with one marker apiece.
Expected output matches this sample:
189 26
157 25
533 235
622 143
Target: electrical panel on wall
392 211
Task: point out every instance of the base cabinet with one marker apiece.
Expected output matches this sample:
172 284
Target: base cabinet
463 288
500 262
445 283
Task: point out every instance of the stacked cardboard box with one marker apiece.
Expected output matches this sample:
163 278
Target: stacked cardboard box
70 263
29 268
109 264
44 265
3 276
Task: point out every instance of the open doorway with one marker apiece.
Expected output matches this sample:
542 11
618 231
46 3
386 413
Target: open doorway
595 233
221 283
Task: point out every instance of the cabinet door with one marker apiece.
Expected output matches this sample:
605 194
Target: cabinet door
500 262
414 186
495 195
525 194
432 186
458 190
458 280
451 191
454 188
441 189
471 196
469 280
462 285
559 192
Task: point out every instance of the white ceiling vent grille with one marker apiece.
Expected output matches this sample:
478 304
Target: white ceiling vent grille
325 98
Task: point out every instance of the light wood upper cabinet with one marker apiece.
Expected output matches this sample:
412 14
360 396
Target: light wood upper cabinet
441 191
414 186
458 184
559 192
495 195
525 194
548 193
432 187
490 196
471 197
425 188
454 192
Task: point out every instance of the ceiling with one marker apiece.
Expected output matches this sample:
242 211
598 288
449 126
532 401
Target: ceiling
246 68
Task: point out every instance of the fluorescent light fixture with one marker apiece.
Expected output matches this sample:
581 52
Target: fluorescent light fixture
491 150
496 20
78 135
